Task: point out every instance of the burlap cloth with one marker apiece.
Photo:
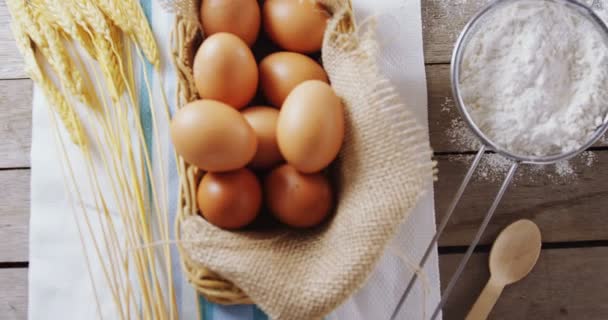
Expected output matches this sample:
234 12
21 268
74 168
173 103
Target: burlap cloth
383 168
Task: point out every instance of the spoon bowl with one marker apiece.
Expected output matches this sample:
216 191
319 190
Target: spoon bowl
513 256
515 252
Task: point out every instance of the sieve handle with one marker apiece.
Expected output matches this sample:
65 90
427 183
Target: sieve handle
442 225
482 228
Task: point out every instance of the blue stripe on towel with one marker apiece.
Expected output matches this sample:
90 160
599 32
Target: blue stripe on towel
211 311
147 127
235 312
144 100
206 308
173 179
259 314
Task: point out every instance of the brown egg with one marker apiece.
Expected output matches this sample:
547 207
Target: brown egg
225 70
310 129
295 25
282 71
213 136
263 120
297 199
230 200
239 17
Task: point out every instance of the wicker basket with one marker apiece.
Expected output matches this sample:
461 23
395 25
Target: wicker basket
186 36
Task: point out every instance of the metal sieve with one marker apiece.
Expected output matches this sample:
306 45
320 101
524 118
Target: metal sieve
475 24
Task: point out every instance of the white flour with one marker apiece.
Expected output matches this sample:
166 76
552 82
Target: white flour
534 79
494 167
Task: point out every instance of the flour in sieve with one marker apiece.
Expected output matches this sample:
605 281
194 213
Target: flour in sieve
534 78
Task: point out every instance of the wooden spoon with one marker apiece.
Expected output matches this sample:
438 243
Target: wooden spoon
513 256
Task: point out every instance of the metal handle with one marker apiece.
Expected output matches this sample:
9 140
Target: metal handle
482 228
442 227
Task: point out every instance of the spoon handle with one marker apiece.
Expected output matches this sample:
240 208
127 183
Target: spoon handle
486 301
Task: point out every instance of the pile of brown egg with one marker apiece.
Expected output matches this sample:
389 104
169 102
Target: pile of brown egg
269 151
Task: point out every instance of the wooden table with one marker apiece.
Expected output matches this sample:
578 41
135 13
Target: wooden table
567 283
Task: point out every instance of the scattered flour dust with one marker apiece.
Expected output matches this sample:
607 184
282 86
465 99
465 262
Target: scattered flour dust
563 168
493 168
566 170
590 158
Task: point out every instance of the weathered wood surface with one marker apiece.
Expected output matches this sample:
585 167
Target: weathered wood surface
11 64
14 215
566 209
13 294
565 284
572 209
15 123
442 21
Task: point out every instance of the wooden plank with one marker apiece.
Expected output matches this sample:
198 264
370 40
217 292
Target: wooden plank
15 123
446 126
571 208
14 215
566 209
12 63
13 294
565 284
442 22
448 132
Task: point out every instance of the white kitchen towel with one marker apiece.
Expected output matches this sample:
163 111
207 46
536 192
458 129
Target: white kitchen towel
59 280
399 30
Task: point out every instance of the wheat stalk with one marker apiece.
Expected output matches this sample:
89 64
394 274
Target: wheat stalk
129 16
60 17
115 11
134 278
58 101
108 63
146 41
50 44
141 30
116 69
107 43
88 15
